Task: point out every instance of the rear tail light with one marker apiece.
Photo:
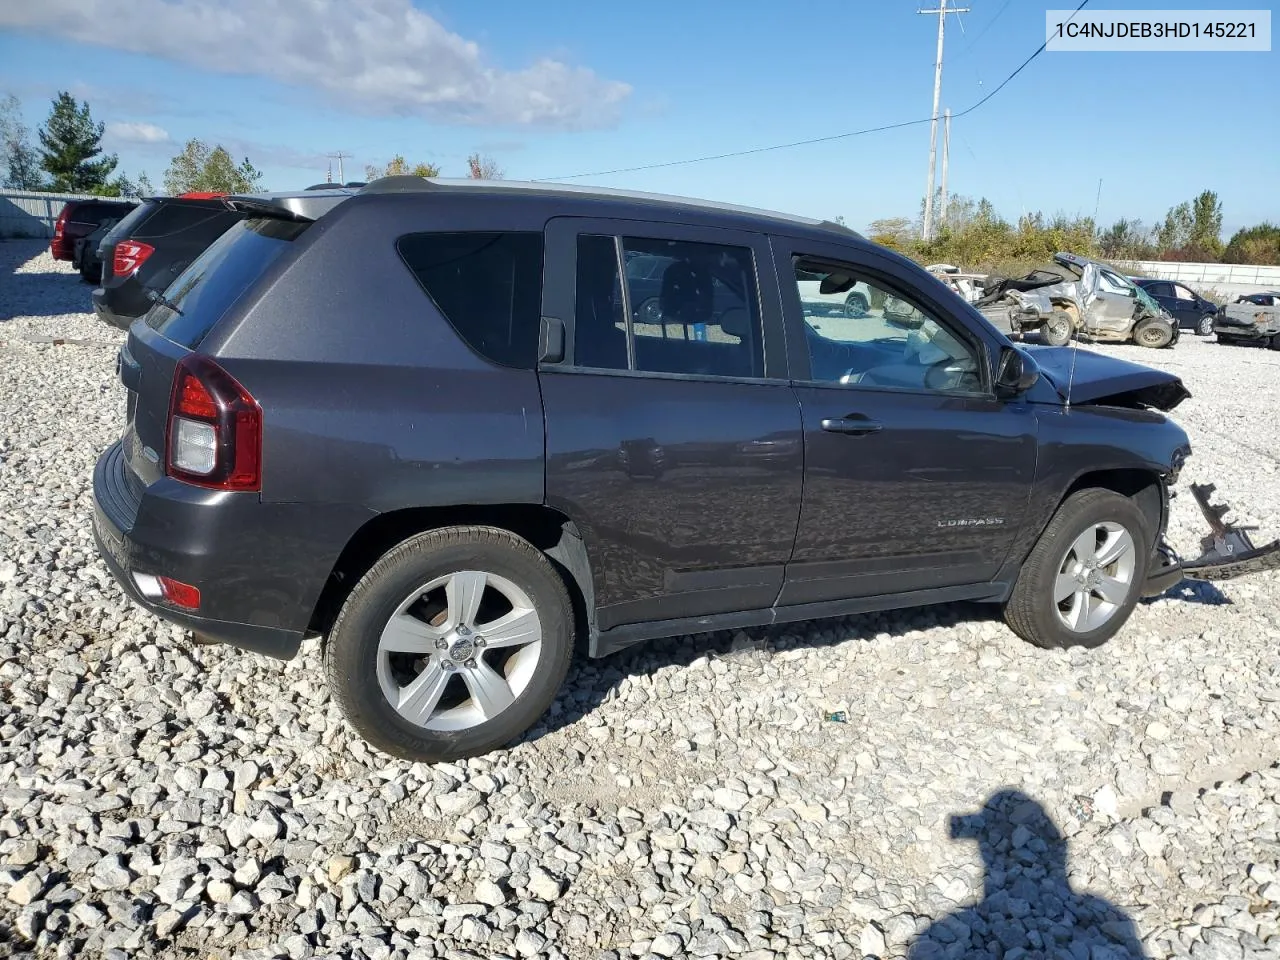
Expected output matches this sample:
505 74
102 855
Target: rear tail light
214 434
59 231
129 256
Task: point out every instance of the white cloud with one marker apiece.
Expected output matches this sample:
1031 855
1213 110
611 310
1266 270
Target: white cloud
137 133
383 55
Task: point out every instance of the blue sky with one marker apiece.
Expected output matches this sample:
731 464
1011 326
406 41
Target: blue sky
574 87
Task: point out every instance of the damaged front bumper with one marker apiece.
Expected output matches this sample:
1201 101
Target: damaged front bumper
1227 551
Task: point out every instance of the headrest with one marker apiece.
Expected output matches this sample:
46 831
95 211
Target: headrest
737 323
686 293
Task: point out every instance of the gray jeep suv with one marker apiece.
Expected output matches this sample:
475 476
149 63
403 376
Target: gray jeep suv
443 426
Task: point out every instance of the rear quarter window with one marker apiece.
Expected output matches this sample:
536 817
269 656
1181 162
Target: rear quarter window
487 285
216 279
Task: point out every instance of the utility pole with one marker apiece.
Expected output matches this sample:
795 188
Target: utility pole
946 156
941 10
339 157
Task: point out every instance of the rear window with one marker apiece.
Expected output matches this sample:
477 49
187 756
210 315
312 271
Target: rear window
134 217
487 285
201 294
171 218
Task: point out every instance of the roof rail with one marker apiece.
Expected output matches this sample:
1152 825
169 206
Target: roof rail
403 183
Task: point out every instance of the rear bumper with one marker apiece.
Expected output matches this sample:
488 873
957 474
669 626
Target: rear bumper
118 306
1242 331
259 567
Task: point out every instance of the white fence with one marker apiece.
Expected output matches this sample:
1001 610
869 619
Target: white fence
24 213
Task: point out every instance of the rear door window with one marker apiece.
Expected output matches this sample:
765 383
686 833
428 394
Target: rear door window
201 294
694 307
487 285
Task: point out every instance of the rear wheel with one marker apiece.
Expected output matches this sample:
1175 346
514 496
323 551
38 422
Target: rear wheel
1274 342
1084 575
453 645
1154 333
1056 331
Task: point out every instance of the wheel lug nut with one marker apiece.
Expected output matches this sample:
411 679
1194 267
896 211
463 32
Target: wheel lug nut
448 666
479 641
442 644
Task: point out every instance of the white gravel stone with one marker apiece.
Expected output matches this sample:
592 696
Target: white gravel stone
176 799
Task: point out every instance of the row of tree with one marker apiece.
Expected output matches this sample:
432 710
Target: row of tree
971 234
70 159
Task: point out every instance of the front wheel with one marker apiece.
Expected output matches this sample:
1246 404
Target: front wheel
1204 326
453 645
1056 331
1153 332
1274 342
1084 575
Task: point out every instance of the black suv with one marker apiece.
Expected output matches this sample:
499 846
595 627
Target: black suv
144 252
432 423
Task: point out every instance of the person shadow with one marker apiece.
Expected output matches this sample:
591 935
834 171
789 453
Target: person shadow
1028 908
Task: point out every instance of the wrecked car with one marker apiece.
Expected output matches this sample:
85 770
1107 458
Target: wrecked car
1253 318
1077 296
493 468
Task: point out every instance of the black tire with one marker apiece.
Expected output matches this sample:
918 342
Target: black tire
1274 342
351 651
1154 332
1056 331
1204 326
1032 612
856 305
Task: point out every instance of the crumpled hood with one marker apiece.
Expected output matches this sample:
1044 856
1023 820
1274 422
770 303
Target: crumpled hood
1108 381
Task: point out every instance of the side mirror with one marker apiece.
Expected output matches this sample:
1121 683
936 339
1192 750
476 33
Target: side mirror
1015 373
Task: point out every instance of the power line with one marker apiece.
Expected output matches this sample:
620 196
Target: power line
981 33
812 140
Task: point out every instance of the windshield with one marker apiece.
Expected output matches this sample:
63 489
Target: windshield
201 294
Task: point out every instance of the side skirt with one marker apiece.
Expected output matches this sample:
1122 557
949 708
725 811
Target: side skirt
625 635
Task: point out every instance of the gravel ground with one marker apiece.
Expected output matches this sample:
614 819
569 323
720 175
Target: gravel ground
689 798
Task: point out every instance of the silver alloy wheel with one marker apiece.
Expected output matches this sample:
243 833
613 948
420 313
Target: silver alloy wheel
484 666
1094 577
1205 326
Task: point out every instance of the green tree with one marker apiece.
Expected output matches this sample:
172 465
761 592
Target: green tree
1126 240
19 164
1206 225
69 142
200 167
1174 232
399 167
892 232
1255 245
